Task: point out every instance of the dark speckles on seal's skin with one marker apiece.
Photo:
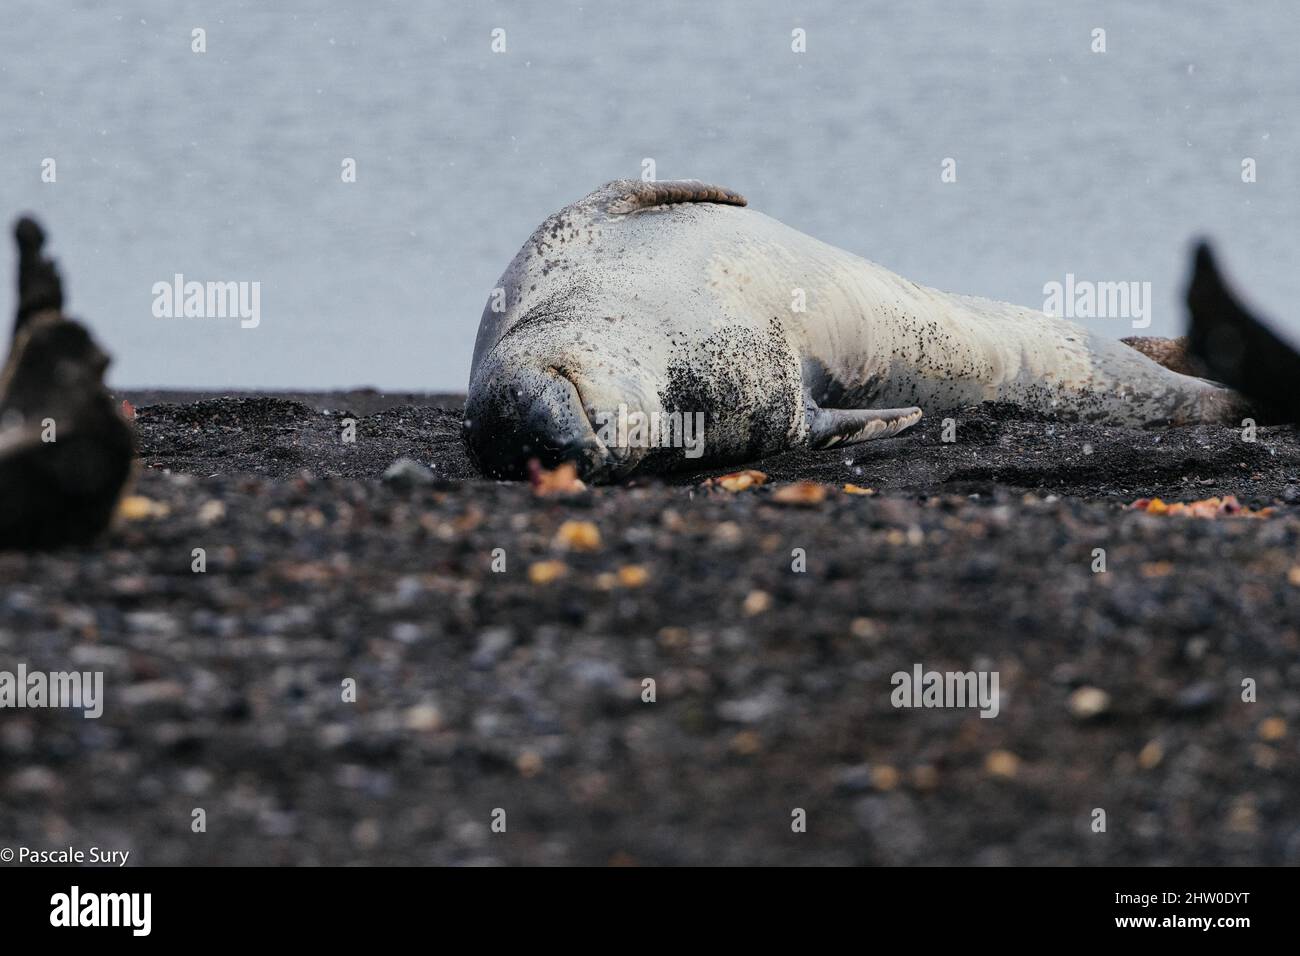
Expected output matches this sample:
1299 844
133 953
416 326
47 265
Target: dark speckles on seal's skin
753 407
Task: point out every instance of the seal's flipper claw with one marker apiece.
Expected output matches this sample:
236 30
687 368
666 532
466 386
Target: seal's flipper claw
832 427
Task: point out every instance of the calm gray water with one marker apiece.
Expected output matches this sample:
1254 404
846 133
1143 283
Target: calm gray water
226 165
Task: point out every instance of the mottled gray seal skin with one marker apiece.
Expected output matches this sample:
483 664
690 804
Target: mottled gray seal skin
672 297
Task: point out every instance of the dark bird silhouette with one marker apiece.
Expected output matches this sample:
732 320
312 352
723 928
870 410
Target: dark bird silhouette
65 452
40 290
1238 348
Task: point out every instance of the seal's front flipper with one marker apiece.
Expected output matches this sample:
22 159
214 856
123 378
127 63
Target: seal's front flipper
832 427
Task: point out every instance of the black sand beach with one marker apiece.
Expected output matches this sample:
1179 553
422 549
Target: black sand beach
522 690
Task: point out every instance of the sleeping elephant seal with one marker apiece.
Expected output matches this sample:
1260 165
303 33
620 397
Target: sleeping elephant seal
655 326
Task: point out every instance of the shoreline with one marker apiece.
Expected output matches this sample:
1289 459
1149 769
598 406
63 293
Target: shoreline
363 400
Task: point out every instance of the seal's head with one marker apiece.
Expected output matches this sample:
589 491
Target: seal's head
532 399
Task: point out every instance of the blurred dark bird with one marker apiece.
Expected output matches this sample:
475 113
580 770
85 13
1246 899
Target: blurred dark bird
65 452
1237 348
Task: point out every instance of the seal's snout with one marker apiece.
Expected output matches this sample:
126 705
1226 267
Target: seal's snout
526 414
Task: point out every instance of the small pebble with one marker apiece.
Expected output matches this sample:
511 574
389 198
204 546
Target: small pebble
578 536
1272 729
1002 763
1089 702
545 572
1150 756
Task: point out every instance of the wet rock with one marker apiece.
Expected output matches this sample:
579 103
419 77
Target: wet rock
34 781
1198 698
492 645
152 693
752 710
